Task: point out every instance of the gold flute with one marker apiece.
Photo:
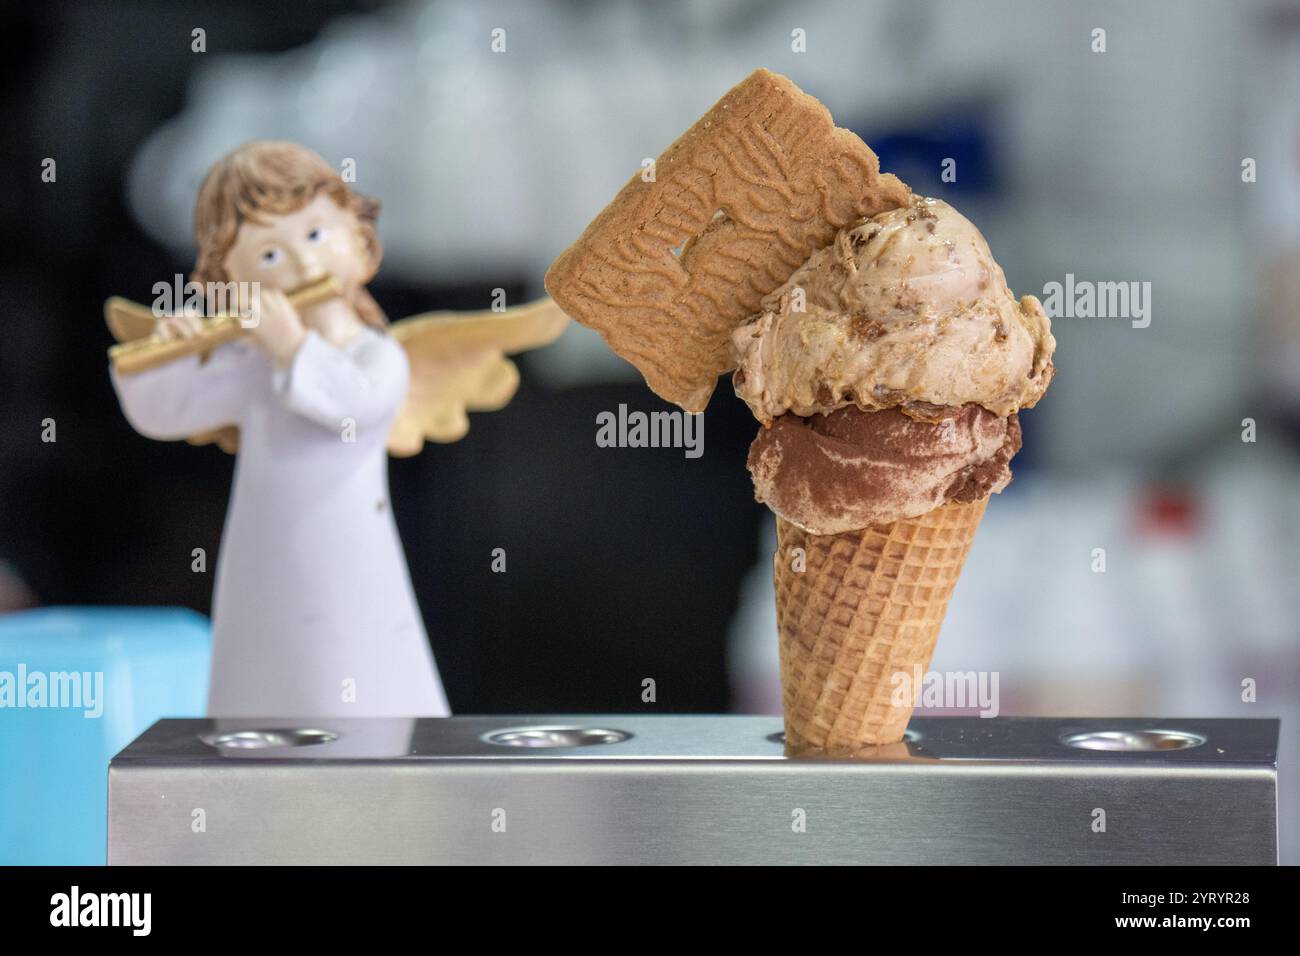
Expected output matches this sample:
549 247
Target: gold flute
142 352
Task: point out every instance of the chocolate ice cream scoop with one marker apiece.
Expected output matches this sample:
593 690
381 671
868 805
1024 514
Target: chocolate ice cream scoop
852 469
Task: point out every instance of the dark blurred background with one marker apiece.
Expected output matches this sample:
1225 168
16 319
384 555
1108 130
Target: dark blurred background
626 564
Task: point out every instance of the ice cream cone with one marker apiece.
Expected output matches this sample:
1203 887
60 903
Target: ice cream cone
873 336
857 610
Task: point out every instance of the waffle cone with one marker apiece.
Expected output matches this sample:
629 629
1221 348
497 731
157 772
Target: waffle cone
866 606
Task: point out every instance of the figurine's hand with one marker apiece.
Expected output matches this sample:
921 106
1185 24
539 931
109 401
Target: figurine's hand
183 326
276 326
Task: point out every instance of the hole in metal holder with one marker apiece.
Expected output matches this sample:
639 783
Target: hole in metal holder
259 739
554 736
1133 741
909 736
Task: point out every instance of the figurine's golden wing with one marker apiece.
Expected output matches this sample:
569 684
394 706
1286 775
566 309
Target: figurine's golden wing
458 365
127 320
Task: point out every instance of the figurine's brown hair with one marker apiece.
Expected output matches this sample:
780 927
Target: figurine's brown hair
273 177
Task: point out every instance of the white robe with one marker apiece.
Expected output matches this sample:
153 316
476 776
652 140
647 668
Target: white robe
313 612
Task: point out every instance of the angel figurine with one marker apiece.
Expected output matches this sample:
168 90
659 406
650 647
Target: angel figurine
313 611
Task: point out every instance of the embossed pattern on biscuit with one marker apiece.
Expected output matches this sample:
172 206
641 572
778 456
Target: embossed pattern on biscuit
738 202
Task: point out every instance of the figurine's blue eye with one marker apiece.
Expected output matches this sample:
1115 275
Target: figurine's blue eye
270 257
316 235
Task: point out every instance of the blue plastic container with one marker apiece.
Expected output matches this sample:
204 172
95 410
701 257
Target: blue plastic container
76 686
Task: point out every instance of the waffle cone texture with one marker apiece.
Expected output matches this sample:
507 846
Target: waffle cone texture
853 611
